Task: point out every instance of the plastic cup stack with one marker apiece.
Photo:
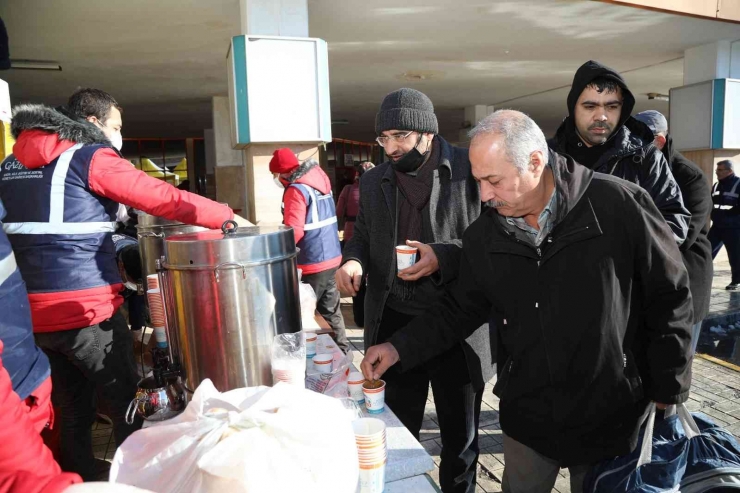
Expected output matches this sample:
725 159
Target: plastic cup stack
152 281
156 313
292 372
372 453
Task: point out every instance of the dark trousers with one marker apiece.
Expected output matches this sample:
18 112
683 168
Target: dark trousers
358 305
456 400
730 238
95 362
328 303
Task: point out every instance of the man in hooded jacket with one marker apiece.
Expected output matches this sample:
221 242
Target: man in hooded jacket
697 249
600 134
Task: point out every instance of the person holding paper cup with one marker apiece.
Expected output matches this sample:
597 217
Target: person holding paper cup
590 299
413 211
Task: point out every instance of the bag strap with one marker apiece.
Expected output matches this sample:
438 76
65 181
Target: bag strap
690 428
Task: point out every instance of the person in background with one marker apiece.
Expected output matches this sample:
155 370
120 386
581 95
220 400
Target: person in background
308 208
62 187
425 196
347 208
26 464
726 218
696 250
590 300
600 134
26 364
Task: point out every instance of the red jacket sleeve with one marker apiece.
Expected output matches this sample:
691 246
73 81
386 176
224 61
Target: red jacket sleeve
26 464
117 179
294 212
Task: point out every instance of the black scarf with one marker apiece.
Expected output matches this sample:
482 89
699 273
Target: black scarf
414 195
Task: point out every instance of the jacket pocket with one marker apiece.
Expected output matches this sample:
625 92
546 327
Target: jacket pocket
632 375
502 382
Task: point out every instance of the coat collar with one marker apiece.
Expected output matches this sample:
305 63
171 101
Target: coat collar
50 120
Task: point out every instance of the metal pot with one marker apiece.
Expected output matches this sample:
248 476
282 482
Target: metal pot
232 291
154 402
151 232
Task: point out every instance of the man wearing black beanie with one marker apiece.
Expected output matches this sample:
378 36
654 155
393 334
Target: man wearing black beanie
424 196
600 133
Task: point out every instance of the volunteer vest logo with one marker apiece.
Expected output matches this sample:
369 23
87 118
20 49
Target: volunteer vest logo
320 241
14 170
52 209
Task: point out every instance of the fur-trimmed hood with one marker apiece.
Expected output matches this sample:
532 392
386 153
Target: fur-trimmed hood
50 120
310 173
42 133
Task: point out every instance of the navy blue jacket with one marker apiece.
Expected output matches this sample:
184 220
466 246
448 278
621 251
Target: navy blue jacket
26 363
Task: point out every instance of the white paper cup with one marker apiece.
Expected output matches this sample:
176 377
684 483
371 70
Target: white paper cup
375 399
323 362
354 386
405 256
161 336
311 338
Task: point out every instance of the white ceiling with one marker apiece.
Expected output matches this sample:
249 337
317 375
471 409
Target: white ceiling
164 59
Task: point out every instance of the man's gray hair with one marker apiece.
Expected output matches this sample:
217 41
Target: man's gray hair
521 135
727 164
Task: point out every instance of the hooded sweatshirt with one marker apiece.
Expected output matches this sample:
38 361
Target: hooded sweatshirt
628 153
42 135
295 209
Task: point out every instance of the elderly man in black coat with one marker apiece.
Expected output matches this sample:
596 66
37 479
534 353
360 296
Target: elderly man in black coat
424 195
585 284
696 250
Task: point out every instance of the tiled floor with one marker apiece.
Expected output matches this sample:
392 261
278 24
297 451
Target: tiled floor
715 391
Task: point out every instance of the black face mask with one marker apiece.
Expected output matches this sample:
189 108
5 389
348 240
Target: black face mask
410 161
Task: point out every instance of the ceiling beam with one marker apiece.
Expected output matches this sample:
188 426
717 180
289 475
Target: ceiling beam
718 10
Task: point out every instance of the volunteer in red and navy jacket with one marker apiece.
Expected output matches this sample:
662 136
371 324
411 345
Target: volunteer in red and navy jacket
61 188
26 464
308 207
24 361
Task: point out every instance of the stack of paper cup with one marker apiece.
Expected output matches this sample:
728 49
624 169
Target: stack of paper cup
156 313
372 453
152 281
292 371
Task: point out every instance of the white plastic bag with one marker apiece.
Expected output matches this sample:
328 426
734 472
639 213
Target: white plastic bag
249 440
308 306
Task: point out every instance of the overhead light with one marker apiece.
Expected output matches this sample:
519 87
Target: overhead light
658 97
340 122
35 65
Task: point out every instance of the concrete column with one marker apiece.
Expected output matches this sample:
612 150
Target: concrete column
274 17
703 118
263 197
231 180
473 114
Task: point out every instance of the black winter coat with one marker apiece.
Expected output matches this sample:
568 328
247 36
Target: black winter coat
454 204
696 249
634 158
591 325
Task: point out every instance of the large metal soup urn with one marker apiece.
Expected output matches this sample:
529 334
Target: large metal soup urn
227 294
152 230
